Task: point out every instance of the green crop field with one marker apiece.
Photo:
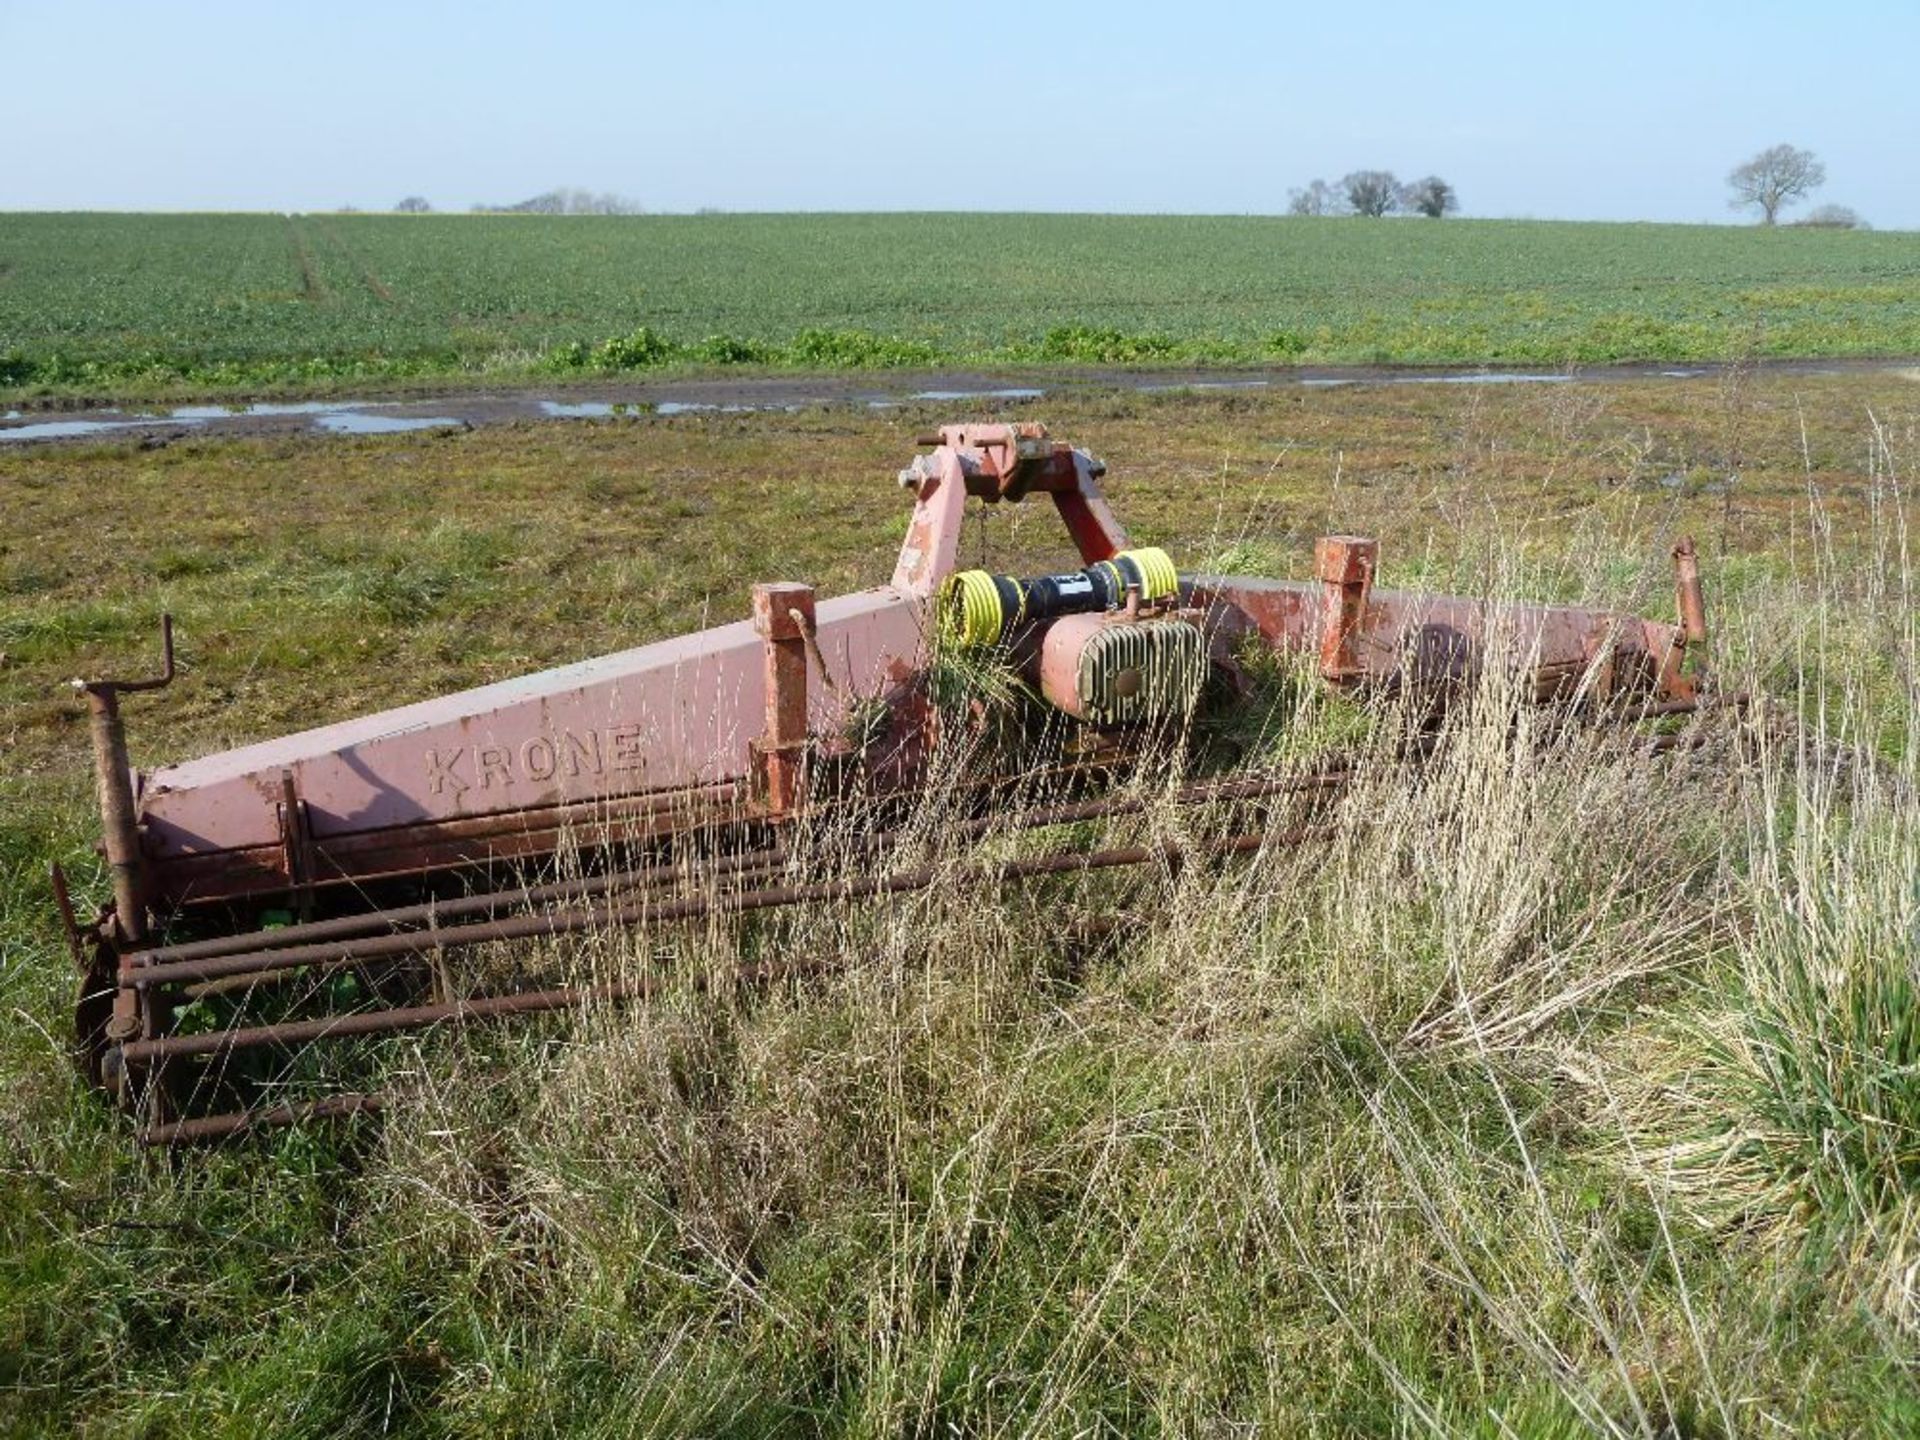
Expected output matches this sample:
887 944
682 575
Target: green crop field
125 303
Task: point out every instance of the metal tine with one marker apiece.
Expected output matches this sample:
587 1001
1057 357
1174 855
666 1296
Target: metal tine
413 1017
736 864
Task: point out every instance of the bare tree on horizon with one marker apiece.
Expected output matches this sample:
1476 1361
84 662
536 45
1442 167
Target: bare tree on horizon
1315 198
1431 197
1778 176
1371 192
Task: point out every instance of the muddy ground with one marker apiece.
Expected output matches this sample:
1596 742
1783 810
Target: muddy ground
465 409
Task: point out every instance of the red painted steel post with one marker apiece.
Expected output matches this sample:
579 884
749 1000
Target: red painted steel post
1096 533
927 554
783 617
1345 564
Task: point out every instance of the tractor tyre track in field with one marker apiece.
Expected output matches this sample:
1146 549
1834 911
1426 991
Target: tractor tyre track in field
375 286
313 289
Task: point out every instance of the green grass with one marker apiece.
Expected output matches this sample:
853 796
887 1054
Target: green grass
121 302
1561 1093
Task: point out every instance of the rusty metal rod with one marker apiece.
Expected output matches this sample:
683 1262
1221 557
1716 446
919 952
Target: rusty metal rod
427 912
222 1126
119 817
529 927
379 1022
150 966
769 861
420 1017
215 1127
1092 929
1105 807
373 1022
1688 596
63 901
113 787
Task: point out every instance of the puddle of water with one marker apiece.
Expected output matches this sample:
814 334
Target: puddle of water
354 417
348 422
1488 377
691 407
65 429
1210 385
978 395
347 414
1492 377
267 407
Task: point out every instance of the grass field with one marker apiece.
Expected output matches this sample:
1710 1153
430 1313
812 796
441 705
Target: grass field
1559 1093
131 304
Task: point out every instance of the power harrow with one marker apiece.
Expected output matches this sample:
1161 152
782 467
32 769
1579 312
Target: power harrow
675 781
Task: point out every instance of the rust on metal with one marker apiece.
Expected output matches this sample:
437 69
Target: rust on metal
264 1117
1687 592
635 909
783 616
69 926
1345 564
414 1017
113 783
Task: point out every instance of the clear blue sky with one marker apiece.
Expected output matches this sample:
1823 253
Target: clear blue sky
1607 111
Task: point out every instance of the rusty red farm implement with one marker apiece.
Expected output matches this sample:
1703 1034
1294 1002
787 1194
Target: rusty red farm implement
671 782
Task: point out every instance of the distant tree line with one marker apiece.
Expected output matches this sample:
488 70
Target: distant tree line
563 201
1776 179
1773 181
1375 193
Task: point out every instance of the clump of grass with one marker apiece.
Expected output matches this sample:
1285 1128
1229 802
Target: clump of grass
1804 1100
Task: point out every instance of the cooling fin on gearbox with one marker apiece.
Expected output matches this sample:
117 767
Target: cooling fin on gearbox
1141 670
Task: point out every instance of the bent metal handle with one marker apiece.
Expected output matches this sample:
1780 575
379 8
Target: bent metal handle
156 682
113 783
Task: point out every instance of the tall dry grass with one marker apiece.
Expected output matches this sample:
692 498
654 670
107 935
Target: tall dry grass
1552 1087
